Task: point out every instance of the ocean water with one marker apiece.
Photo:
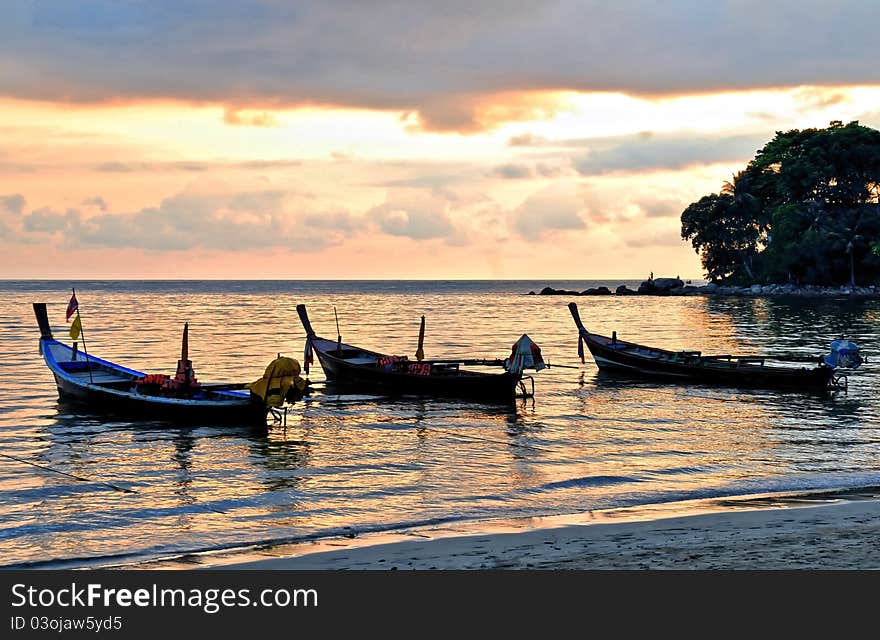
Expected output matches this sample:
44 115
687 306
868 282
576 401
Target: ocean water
356 463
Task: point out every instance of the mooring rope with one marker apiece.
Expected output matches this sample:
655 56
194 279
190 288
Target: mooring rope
69 475
81 479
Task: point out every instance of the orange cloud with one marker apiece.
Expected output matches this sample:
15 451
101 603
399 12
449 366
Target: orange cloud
240 117
485 112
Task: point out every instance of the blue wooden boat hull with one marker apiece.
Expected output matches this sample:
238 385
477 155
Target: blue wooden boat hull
102 386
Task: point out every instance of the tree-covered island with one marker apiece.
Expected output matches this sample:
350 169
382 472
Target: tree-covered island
804 211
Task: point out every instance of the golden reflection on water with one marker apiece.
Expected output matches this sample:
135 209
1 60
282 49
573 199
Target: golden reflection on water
587 441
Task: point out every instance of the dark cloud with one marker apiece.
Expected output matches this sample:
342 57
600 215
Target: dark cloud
668 151
636 153
97 201
11 207
46 220
441 60
132 167
334 221
268 201
512 171
12 203
426 181
200 218
556 208
549 170
661 207
412 222
191 220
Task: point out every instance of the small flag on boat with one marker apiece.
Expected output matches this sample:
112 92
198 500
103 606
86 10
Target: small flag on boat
581 348
308 357
72 306
75 328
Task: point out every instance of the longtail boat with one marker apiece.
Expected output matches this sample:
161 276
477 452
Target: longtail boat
103 386
614 354
369 371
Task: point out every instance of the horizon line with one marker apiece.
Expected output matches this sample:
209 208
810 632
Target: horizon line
36 279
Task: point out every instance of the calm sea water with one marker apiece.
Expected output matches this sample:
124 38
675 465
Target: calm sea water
357 463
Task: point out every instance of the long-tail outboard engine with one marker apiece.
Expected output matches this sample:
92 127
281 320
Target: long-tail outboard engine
844 355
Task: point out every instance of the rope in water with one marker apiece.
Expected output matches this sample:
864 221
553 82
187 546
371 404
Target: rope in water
69 475
81 479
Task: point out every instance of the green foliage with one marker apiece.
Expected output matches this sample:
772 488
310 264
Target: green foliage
806 209
723 233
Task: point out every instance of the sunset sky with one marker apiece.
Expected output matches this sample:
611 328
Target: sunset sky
398 139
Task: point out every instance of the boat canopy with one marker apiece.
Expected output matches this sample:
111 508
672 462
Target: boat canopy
525 354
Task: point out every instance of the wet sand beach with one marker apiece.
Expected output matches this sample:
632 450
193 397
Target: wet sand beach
836 535
810 531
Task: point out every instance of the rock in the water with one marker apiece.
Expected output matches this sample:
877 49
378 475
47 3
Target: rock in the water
665 284
599 291
647 287
623 290
711 288
550 291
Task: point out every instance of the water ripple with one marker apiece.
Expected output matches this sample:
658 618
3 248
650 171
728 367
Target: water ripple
358 463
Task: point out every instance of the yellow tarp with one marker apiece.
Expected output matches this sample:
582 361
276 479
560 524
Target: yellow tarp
281 374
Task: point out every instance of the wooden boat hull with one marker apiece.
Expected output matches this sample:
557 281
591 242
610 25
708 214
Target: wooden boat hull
616 355
111 389
99 401
485 387
720 373
354 368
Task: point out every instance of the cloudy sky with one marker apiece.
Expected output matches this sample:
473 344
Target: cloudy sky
398 139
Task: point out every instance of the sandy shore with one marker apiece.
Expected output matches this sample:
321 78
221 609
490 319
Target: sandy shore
794 532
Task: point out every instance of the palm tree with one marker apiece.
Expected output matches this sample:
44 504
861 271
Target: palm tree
747 207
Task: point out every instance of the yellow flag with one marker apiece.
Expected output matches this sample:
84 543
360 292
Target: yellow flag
75 328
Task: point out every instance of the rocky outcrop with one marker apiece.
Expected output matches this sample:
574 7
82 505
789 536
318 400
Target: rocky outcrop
661 285
598 291
675 287
550 291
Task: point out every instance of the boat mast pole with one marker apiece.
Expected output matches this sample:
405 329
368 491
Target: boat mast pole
338 333
82 334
